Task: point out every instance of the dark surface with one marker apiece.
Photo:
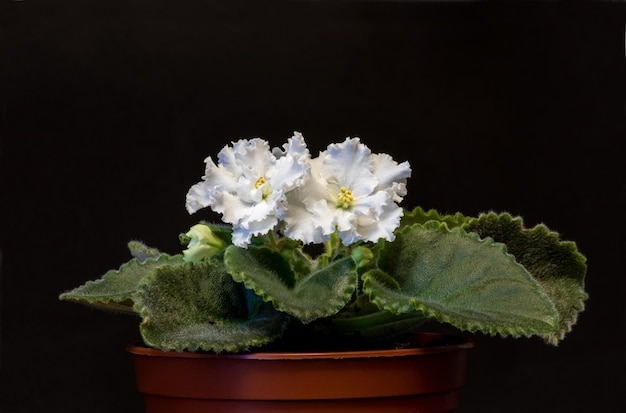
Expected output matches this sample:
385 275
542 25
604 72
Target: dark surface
110 107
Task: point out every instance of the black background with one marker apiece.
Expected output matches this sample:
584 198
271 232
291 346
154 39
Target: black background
110 107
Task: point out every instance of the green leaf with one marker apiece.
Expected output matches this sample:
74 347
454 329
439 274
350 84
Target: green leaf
142 252
198 306
115 289
320 294
419 216
557 265
379 325
458 278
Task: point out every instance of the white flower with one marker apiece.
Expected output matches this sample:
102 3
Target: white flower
295 147
248 185
350 190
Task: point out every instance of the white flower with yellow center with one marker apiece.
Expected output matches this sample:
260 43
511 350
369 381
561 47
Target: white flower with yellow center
248 185
349 190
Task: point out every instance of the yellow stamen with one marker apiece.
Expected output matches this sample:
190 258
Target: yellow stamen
259 182
344 197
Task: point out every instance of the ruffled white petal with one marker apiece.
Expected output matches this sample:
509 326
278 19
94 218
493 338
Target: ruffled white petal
241 236
384 227
308 216
286 174
391 175
295 147
232 208
218 175
349 164
372 204
253 156
198 197
309 224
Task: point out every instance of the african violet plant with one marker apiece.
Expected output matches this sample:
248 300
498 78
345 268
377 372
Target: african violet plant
317 254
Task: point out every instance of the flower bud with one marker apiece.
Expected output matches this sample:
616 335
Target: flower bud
202 243
362 256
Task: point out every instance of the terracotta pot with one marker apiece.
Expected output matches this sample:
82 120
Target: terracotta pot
424 379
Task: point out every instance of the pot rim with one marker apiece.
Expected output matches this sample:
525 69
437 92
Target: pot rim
426 340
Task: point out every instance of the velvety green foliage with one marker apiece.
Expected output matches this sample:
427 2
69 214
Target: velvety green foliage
142 252
115 289
419 216
376 326
487 274
458 278
322 293
198 306
556 265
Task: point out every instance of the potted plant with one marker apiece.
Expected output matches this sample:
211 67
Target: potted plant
317 268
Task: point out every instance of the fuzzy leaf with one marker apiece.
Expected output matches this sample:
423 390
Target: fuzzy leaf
419 216
115 289
320 294
458 278
198 306
556 265
379 325
142 252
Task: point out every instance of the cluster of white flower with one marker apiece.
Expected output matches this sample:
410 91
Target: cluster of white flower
347 189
